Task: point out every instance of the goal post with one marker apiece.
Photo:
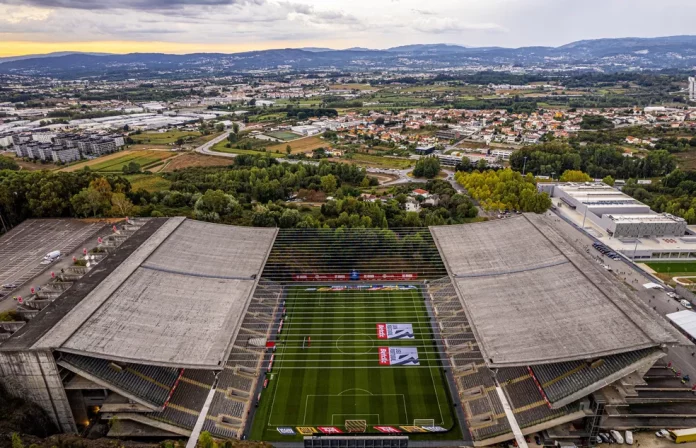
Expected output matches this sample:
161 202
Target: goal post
423 422
359 426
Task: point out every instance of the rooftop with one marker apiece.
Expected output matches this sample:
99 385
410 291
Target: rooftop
516 284
175 301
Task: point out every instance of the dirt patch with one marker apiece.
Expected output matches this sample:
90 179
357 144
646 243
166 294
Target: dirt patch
383 178
194 159
30 166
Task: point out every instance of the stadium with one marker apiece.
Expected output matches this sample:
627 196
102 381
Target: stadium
462 335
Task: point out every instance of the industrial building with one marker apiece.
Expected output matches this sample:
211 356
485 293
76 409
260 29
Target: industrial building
621 222
180 311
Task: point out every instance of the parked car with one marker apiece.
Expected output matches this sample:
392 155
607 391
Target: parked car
616 435
662 433
605 437
9 286
686 304
629 437
537 440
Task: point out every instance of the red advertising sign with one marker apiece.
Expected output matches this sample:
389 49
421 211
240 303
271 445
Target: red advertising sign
346 277
384 359
381 331
329 430
387 429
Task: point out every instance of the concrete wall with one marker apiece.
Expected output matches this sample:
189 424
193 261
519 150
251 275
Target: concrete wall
34 377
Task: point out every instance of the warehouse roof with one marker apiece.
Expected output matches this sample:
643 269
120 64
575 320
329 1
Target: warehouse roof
532 298
177 300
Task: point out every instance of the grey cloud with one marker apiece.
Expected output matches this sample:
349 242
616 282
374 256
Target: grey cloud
145 5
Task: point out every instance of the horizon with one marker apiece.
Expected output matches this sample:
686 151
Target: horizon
231 26
100 47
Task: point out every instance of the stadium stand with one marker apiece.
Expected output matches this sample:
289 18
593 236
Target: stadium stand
178 308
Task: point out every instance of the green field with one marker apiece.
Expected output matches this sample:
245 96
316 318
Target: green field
339 377
381 162
146 159
673 267
285 136
164 138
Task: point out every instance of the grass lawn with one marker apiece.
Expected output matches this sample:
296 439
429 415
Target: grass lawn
163 138
673 268
148 182
343 376
379 161
282 135
306 145
352 87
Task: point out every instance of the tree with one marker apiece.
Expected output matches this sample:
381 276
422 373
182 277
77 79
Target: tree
379 121
574 176
288 149
464 165
121 205
609 181
214 205
96 199
205 440
428 167
219 127
329 183
131 168
8 164
16 441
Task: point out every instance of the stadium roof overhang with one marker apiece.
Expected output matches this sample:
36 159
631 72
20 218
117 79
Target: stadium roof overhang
176 300
532 298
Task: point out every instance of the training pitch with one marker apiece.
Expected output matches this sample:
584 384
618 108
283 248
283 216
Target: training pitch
336 367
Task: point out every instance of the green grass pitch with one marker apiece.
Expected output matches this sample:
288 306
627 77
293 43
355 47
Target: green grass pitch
339 377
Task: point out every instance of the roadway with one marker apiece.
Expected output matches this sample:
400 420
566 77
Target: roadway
624 269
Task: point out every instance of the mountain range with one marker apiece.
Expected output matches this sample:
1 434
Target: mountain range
608 55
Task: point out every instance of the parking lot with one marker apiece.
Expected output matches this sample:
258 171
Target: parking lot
22 249
683 358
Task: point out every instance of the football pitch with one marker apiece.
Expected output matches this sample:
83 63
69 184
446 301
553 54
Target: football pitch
333 370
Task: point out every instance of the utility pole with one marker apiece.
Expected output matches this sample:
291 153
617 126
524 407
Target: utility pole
524 167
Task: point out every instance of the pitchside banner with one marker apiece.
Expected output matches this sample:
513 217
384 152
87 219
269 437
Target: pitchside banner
395 331
398 356
353 276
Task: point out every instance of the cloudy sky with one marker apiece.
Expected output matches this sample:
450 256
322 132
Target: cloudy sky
184 26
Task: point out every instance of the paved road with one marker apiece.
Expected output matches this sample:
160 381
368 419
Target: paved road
680 357
206 147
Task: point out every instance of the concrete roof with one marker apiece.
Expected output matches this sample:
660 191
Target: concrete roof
533 299
176 301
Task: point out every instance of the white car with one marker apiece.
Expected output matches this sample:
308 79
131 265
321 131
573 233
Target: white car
662 433
629 438
686 304
616 435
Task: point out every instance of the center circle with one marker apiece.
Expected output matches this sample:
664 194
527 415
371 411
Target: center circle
355 344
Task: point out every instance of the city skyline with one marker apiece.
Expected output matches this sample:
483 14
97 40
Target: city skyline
228 26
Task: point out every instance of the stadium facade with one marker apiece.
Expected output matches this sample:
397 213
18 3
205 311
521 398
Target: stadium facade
170 328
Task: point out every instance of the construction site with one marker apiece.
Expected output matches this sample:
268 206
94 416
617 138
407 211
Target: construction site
167 330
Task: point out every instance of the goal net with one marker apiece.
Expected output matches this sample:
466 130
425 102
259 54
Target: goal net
423 422
356 425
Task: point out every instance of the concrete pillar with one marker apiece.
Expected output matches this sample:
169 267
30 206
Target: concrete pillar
33 376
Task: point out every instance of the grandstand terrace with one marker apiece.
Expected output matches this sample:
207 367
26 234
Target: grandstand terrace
181 310
544 293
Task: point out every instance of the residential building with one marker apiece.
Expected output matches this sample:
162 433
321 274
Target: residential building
692 88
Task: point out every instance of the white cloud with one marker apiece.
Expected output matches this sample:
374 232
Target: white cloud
19 14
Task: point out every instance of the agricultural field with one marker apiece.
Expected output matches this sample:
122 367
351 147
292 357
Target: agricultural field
342 366
281 135
686 160
352 87
194 159
114 163
303 145
220 147
148 182
368 160
164 138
